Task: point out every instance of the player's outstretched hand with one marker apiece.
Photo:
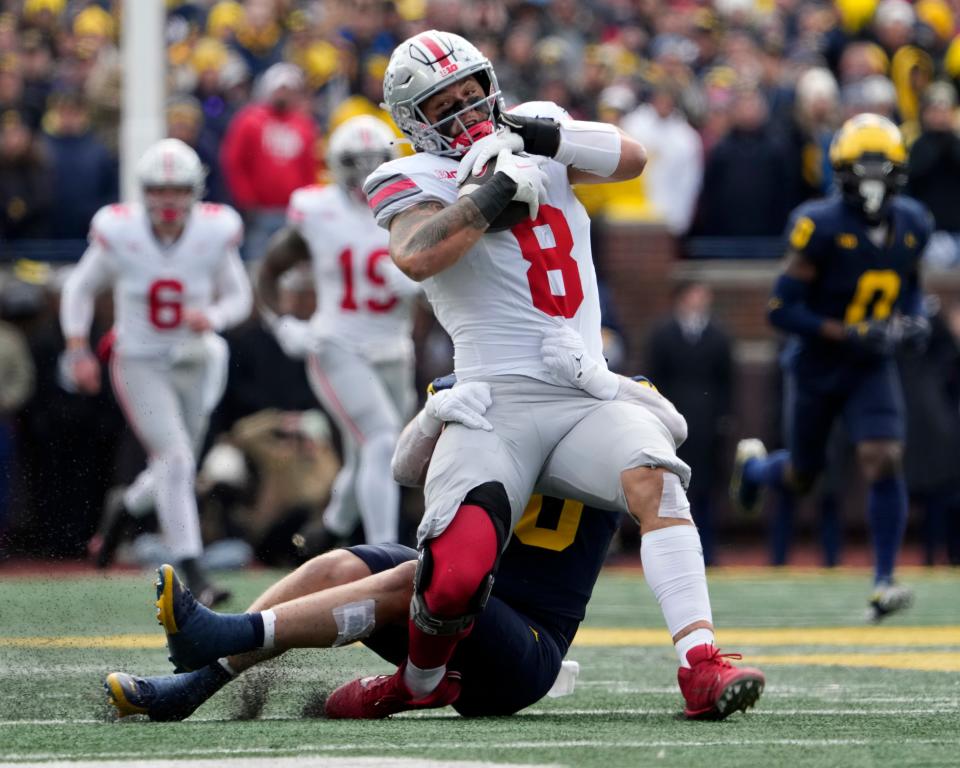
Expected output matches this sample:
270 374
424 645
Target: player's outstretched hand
565 355
872 337
293 336
464 404
485 150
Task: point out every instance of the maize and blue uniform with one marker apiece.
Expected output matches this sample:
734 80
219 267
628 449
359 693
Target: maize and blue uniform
856 281
512 656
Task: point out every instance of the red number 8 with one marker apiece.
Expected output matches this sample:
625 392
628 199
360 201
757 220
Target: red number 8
561 300
166 303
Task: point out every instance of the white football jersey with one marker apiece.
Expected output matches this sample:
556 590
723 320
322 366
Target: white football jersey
500 297
363 299
154 284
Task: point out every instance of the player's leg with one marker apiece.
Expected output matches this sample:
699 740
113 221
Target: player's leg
620 456
476 487
874 418
122 510
333 600
353 395
148 397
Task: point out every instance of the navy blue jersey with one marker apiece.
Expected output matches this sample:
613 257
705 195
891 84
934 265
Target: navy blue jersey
552 562
856 280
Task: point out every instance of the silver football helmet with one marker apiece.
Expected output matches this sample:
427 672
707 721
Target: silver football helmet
172 178
426 64
356 149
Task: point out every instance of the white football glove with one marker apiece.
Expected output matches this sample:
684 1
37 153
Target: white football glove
565 355
293 336
530 178
483 151
464 404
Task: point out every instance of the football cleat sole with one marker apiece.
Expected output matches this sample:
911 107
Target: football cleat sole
166 577
738 696
115 686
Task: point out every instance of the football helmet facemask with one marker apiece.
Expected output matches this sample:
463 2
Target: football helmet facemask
423 66
172 178
356 149
869 159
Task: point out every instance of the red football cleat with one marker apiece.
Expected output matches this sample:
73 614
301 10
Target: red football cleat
372 698
713 688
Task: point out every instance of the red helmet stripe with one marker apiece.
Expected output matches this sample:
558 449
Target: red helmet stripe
443 59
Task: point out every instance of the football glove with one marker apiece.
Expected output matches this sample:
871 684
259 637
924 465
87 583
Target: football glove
914 331
873 337
463 404
483 151
541 135
293 336
565 356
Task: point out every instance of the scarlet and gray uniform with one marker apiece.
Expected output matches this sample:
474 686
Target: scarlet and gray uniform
361 366
496 303
166 377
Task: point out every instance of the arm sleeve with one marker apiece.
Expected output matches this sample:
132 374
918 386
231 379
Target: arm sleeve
411 458
787 308
234 295
91 274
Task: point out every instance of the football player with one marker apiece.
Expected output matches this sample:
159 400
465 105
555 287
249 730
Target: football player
519 299
849 295
508 662
177 280
358 347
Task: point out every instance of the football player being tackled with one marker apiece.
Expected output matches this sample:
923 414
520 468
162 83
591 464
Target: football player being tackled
357 345
849 296
177 281
522 308
509 661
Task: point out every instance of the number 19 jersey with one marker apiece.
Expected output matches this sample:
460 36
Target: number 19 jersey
363 299
497 301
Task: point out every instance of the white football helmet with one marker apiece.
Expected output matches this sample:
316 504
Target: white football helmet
167 166
426 64
356 149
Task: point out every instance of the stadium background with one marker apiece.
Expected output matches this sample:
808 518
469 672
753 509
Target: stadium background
747 91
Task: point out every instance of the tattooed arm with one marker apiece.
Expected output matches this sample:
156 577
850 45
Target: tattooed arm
429 237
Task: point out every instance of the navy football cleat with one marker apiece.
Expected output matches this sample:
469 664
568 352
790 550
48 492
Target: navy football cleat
161 698
186 622
887 599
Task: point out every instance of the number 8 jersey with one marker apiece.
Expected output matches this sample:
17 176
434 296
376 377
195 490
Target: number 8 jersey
500 297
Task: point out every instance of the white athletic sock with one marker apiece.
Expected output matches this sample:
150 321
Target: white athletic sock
173 473
422 681
269 627
378 496
702 636
672 560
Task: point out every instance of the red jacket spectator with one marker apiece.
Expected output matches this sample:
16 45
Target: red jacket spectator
269 148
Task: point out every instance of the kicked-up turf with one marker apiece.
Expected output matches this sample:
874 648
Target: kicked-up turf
839 692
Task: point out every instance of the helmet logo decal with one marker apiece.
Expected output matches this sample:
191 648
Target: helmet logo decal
434 56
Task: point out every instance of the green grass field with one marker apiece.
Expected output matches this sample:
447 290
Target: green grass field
838 693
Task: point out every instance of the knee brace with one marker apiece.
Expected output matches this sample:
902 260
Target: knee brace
492 499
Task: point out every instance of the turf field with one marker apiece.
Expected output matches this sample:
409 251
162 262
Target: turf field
838 693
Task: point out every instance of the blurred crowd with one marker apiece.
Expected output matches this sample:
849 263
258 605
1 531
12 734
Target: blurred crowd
736 102
712 89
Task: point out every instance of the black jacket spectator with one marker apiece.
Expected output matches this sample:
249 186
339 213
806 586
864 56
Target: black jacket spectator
25 181
934 165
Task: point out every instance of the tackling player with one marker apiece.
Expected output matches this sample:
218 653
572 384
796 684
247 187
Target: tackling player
513 300
358 347
508 662
849 295
177 280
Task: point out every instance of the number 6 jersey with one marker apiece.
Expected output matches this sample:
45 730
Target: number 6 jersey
154 284
500 297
